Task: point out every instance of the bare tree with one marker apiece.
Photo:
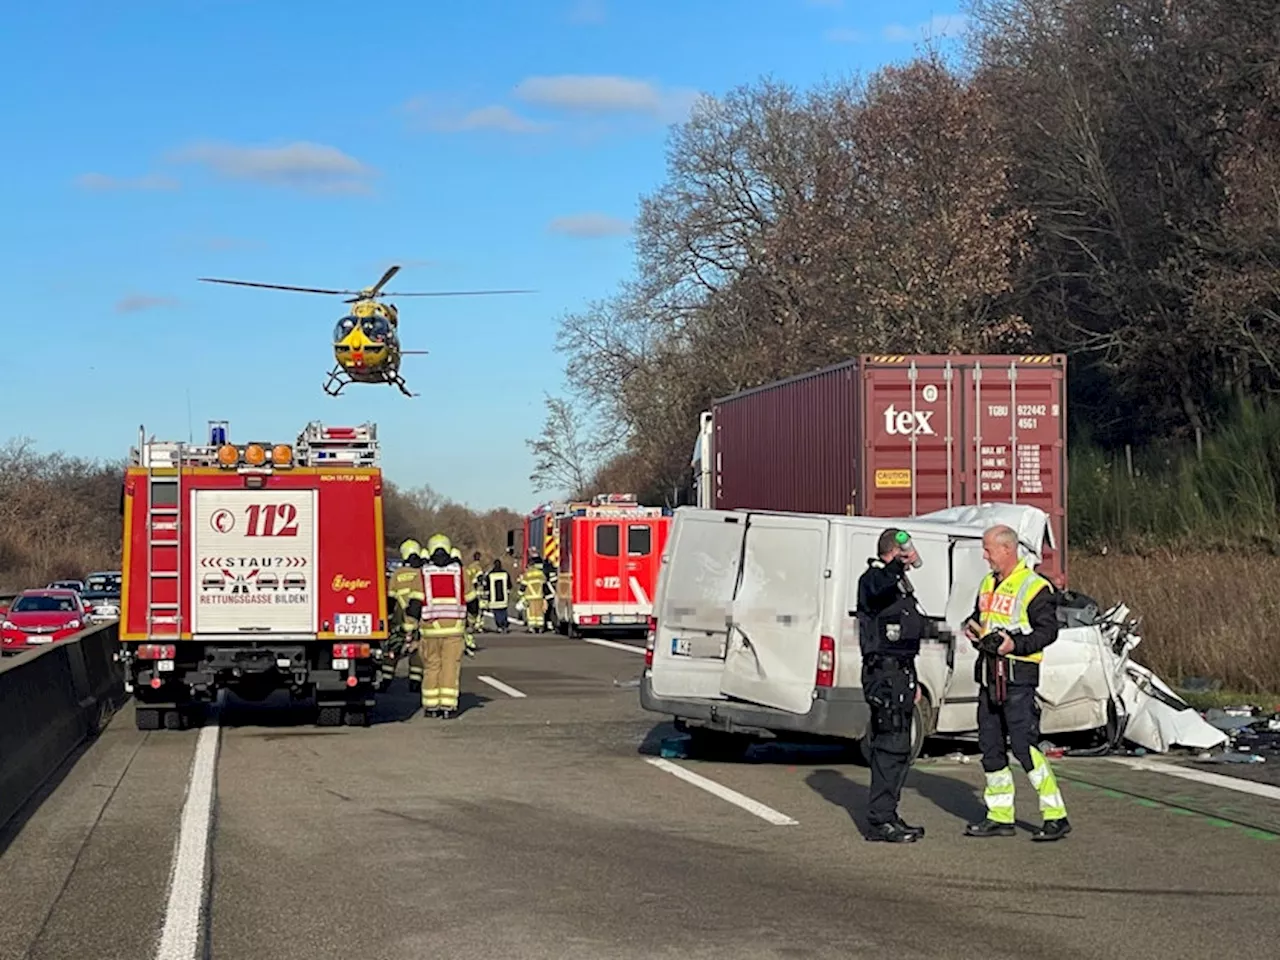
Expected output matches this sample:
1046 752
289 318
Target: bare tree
564 453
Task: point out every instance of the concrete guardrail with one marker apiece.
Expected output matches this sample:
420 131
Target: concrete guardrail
51 702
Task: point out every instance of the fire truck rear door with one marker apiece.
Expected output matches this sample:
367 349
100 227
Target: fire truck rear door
254 561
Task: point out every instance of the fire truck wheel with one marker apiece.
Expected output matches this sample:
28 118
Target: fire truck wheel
147 719
329 717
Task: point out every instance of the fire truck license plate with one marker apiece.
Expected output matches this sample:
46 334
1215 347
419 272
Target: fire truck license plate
353 624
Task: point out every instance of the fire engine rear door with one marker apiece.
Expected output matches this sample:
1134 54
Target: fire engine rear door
772 657
254 561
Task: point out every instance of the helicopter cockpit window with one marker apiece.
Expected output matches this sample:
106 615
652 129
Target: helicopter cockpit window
344 327
376 328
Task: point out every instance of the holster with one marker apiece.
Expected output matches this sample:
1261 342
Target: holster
888 688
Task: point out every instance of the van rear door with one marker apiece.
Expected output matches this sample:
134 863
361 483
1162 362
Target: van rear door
693 602
772 655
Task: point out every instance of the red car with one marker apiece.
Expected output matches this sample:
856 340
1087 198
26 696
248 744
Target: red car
40 616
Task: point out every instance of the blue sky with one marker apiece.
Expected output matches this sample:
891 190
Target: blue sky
480 145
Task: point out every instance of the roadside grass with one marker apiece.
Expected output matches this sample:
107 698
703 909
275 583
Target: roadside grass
1215 616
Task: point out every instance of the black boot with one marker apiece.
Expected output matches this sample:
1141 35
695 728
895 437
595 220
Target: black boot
1052 830
918 831
989 828
892 832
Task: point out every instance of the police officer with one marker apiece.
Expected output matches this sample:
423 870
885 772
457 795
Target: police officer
889 630
1014 619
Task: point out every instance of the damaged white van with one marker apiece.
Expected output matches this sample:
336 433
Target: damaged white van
754 627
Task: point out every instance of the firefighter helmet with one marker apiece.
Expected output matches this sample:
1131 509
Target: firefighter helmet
409 548
456 554
439 542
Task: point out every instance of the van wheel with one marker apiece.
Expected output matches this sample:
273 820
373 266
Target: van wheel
922 721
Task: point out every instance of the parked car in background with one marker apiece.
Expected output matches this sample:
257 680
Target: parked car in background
76 585
40 617
104 581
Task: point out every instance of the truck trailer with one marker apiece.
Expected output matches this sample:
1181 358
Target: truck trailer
254 567
895 436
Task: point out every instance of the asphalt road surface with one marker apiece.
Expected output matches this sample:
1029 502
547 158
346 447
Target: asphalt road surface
547 825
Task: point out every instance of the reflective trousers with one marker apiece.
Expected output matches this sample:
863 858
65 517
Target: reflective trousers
1014 726
444 669
889 688
535 612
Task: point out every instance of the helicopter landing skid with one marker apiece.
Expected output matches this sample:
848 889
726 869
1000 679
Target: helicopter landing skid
339 381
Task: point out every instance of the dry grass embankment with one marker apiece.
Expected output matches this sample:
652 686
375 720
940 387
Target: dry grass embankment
60 518
1203 615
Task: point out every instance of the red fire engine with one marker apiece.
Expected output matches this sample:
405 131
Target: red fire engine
610 553
256 567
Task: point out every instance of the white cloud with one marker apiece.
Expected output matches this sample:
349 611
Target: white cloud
589 225
586 93
103 181
137 302
943 25
587 99
313 167
844 35
587 11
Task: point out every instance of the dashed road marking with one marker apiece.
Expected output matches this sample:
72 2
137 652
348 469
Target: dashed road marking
614 643
499 685
1201 776
724 793
180 937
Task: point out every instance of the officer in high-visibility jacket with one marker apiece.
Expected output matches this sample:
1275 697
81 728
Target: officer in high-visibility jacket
468 641
1014 619
499 596
408 590
444 613
533 585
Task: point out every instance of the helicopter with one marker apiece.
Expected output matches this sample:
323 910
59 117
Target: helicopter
366 342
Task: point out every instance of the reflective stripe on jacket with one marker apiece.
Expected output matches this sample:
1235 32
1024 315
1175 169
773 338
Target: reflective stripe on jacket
1005 606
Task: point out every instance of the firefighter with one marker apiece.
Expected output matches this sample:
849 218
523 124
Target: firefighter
468 641
533 586
443 627
407 588
474 573
499 582
1014 619
890 626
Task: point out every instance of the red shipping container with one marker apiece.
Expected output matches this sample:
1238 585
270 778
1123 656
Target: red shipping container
900 436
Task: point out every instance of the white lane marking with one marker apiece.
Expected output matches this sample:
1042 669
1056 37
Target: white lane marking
613 643
1201 776
180 938
724 793
499 685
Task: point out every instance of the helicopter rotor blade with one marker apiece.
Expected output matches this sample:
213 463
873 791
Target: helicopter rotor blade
391 272
277 286
457 293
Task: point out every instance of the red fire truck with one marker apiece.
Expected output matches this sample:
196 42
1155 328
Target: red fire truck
610 553
256 567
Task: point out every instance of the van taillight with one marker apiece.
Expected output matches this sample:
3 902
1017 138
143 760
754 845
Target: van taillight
650 641
826 662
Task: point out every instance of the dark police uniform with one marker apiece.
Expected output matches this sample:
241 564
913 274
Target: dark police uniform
890 627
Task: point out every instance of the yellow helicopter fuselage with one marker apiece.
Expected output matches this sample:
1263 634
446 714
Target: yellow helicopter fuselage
366 343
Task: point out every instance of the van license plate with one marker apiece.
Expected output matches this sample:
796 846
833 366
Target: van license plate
681 647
